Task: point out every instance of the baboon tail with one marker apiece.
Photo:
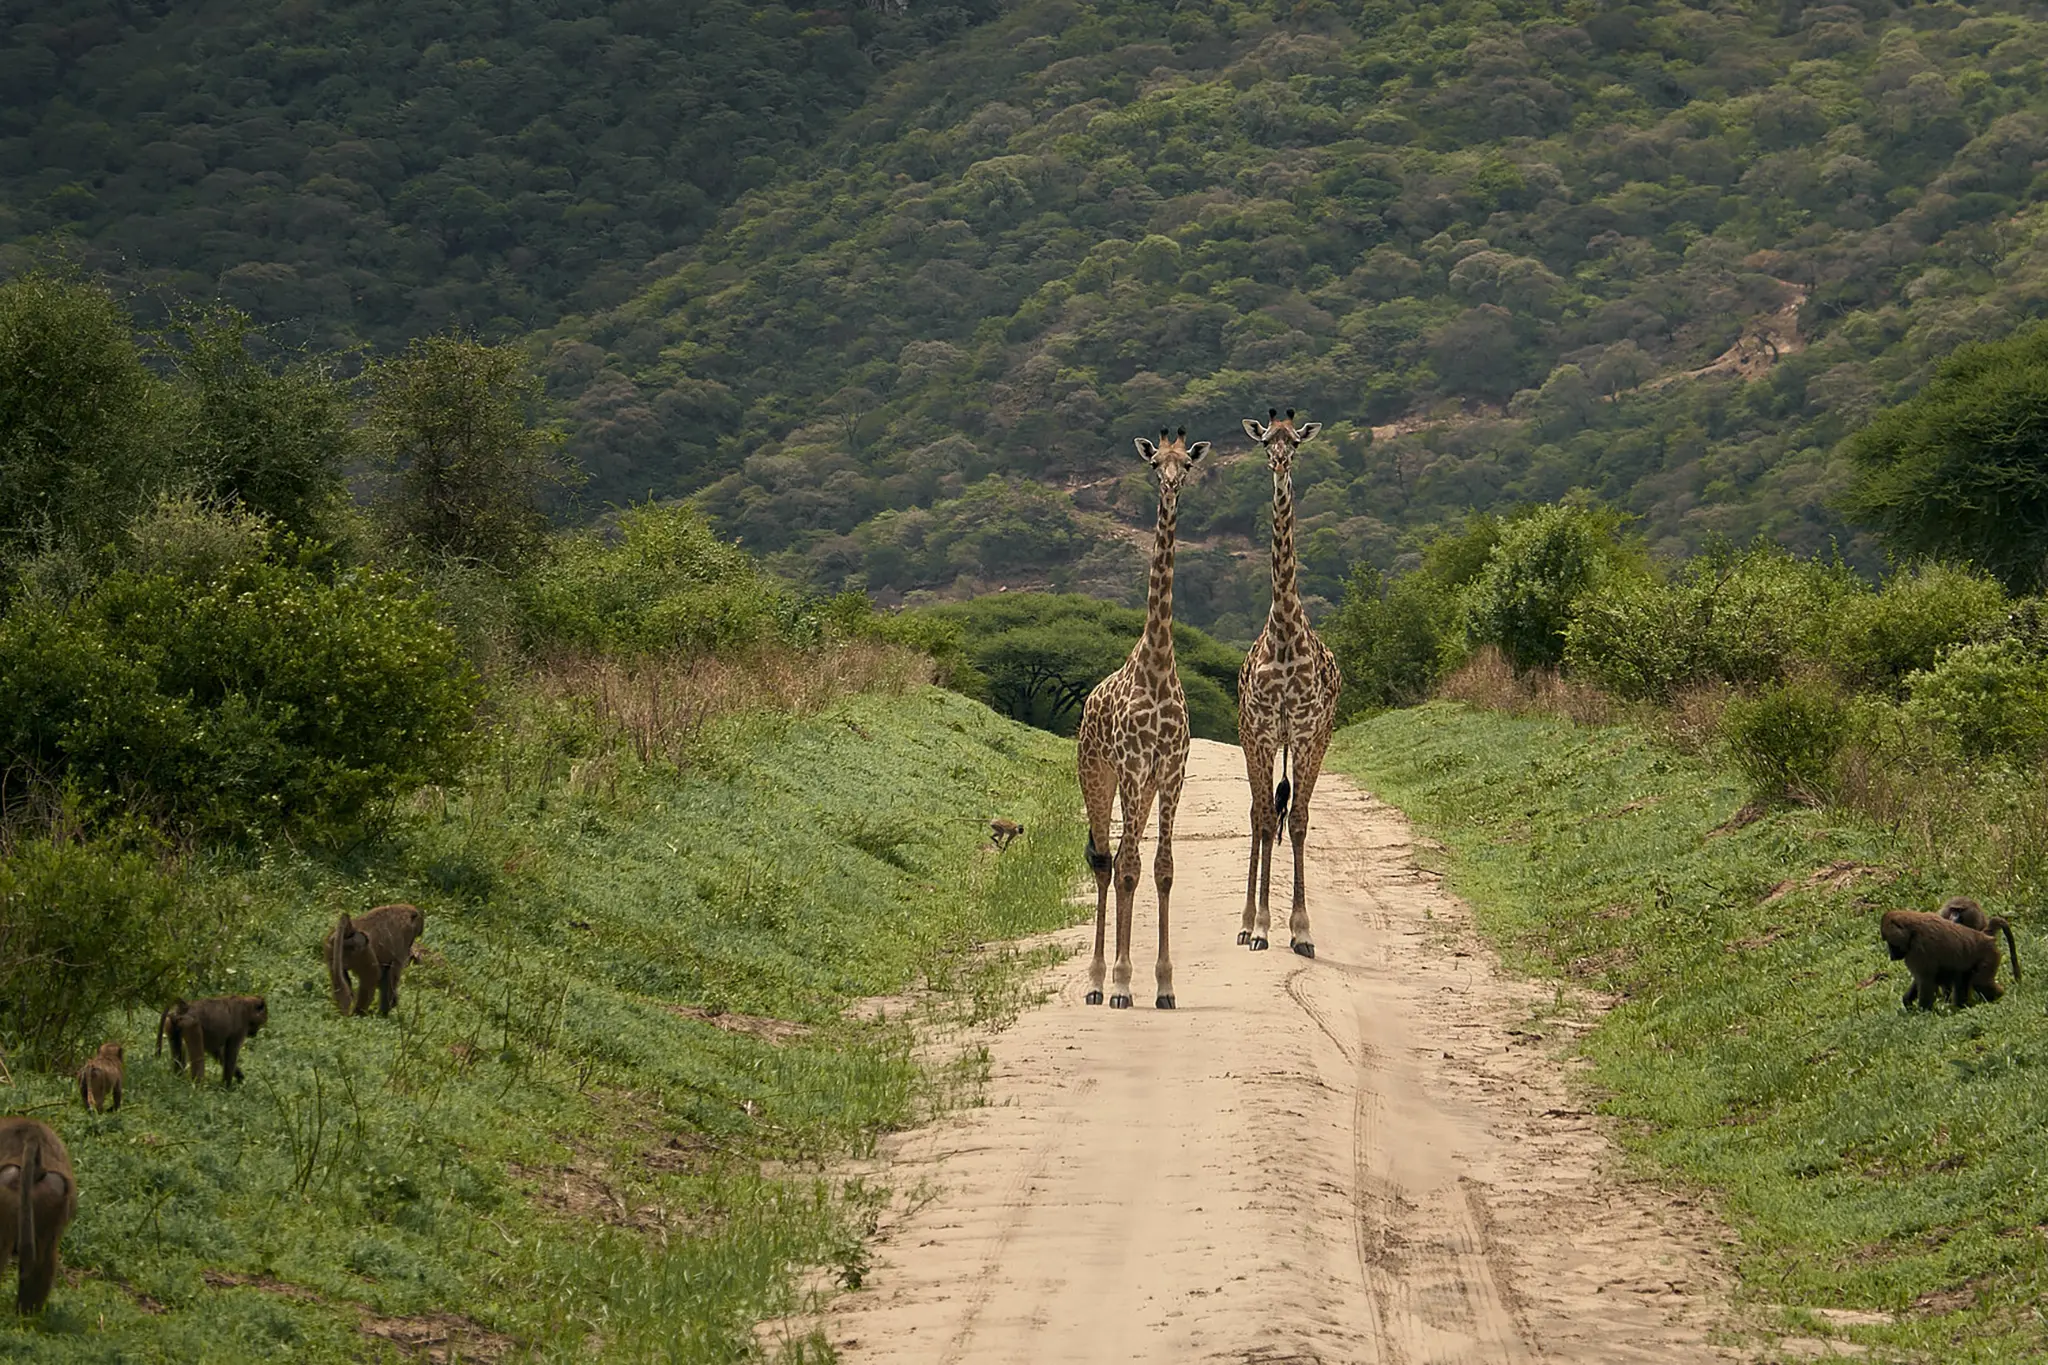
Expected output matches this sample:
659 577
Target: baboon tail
2010 946
337 964
163 1021
84 1091
1098 861
25 1299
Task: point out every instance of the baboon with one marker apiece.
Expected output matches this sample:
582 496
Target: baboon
1943 956
1004 830
100 1079
38 1197
219 1026
376 947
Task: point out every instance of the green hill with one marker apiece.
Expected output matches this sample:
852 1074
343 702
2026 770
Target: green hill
1667 253
374 171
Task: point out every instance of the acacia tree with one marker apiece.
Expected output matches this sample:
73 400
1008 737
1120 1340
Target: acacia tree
457 421
1960 471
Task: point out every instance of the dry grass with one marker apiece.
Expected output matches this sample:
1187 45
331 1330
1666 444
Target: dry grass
1489 682
657 706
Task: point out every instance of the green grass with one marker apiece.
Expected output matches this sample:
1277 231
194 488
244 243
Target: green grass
1867 1157
537 1141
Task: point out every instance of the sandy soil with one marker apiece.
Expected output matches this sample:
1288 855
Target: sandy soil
1366 1157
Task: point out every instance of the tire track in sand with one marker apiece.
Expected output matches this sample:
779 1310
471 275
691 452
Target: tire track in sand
1350 1159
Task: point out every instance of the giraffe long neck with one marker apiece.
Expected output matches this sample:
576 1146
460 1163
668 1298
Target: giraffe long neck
1286 612
1157 642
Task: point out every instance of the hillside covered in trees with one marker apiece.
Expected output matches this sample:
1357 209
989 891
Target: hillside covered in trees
887 288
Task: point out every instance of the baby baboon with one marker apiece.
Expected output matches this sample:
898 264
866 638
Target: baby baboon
100 1078
376 947
1966 912
1943 956
38 1197
219 1026
1004 830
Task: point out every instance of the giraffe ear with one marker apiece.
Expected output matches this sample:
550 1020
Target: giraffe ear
1197 451
1304 434
1254 430
1146 450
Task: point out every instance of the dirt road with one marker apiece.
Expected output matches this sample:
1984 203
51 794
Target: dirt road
1364 1157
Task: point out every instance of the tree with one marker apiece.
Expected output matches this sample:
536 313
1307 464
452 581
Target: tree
275 441
82 421
455 419
1960 471
1542 565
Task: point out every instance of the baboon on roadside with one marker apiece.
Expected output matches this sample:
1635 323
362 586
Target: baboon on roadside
1943 956
376 947
219 1026
38 1197
1004 831
100 1079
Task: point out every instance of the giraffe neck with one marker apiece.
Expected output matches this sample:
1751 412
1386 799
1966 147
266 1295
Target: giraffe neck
1156 645
1287 617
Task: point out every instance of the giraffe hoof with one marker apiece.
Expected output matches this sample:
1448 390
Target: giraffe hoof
1244 936
1258 945
1305 949
1092 998
1164 1002
1119 1002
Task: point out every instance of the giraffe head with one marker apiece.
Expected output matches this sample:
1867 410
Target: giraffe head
1171 459
1281 437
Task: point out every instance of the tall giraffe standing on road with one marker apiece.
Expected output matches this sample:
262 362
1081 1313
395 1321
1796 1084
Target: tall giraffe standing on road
1133 744
1286 703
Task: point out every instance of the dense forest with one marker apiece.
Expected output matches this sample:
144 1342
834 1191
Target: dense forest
885 289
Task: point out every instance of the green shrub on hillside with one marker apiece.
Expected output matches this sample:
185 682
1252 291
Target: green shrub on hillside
1875 639
1990 699
1742 619
1542 565
664 584
255 695
1785 740
91 929
1390 639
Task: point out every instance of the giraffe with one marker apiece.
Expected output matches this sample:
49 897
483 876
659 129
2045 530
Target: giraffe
1286 703
1133 744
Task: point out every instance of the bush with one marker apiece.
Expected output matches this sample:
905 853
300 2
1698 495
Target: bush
265 696
1876 639
1390 639
90 930
1990 699
1543 564
1743 619
667 584
1785 740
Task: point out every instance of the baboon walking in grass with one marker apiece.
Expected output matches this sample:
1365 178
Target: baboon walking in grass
38 1199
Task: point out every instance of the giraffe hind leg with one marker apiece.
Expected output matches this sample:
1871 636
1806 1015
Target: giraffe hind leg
1162 878
1098 790
1306 771
1259 768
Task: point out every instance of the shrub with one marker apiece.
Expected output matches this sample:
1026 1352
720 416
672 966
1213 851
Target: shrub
1390 639
1785 740
266 696
1990 698
1543 564
90 929
1876 639
1743 619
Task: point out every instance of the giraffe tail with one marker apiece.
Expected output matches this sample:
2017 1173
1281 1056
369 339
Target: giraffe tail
1098 861
1284 790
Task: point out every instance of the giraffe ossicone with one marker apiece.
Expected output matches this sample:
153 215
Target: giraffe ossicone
1286 704
1132 746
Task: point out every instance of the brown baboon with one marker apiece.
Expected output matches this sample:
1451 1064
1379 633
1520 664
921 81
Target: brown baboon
100 1079
1943 956
376 947
219 1026
38 1196
1004 830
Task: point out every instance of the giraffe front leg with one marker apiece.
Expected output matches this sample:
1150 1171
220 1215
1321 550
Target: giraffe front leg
1127 867
1298 936
1097 969
1259 769
1162 879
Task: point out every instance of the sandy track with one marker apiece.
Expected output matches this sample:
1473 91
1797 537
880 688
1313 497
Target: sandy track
1360 1158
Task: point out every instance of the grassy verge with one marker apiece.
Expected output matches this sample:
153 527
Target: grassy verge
1869 1158
600 1123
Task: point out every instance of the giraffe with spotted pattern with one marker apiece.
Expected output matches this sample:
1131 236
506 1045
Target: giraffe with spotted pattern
1133 745
1286 704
